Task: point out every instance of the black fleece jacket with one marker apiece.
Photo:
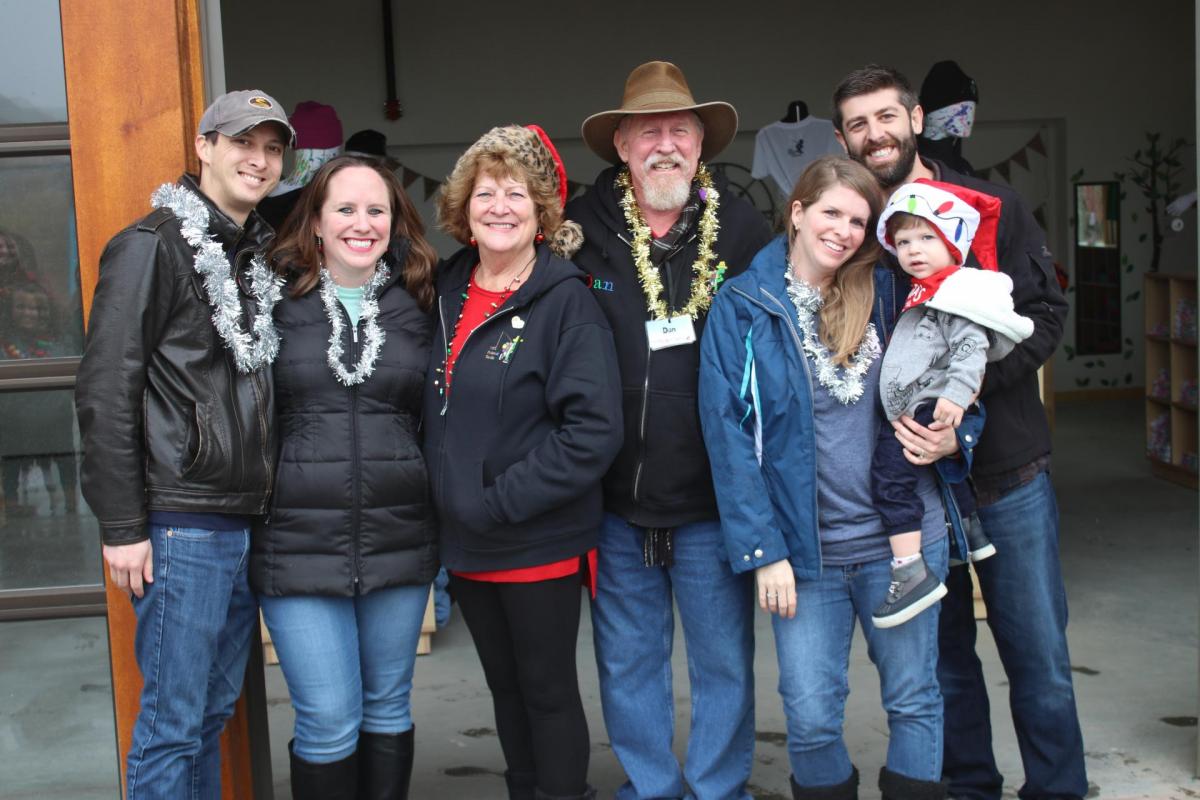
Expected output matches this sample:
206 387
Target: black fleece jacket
517 448
661 478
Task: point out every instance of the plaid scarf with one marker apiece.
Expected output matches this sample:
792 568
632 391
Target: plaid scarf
670 242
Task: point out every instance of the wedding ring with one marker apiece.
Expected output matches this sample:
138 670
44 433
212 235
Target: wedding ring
920 454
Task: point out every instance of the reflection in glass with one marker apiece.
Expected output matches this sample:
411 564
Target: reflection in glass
32 85
57 733
40 303
48 537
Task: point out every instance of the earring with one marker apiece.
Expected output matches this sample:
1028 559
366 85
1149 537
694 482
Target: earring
320 243
541 237
472 242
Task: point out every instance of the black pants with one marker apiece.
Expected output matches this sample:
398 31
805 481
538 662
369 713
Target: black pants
525 635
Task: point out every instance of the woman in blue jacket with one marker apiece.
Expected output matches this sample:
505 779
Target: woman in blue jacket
789 401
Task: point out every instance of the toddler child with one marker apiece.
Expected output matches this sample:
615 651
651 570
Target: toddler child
955 320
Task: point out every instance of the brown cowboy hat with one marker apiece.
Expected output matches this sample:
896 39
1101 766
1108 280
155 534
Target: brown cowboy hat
659 87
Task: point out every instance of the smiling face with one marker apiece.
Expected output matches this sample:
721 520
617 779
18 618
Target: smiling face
355 224
919 249
502 216
663 154
828 232
881 134
239 171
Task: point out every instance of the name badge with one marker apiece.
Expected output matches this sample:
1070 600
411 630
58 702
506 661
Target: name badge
670 332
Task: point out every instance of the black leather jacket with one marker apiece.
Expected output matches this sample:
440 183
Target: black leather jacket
167 421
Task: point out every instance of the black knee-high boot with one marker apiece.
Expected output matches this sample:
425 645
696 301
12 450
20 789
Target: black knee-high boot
385 763
334 781
895 786
846 790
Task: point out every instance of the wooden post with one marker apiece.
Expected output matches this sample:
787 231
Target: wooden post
135 95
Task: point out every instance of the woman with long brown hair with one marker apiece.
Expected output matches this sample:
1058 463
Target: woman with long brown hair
343 563
789 403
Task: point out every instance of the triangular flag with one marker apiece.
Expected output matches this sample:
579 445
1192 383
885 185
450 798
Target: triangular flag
1039 214
1037 145
430 187
409 177
1021 158
1004 170
572 188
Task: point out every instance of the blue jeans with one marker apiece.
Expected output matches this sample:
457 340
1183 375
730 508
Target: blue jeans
194 628
634 624
813 649
1027 612
348 663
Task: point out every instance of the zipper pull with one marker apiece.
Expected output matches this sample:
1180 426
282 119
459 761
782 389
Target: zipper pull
354 334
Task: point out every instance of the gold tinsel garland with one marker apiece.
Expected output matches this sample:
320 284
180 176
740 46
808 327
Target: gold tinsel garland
706 277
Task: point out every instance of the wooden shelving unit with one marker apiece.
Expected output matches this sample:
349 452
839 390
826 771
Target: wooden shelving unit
1171 377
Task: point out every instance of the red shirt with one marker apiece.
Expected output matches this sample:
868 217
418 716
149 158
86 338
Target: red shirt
479 305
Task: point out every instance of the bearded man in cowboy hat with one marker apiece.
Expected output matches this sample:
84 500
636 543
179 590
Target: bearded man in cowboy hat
660 235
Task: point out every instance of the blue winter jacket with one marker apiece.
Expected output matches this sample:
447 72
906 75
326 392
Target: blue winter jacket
756 410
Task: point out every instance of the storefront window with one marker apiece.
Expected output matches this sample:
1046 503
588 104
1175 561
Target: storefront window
40 311
32 86
57 735
48 537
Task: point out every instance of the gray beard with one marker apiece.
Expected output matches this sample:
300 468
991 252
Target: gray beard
666 195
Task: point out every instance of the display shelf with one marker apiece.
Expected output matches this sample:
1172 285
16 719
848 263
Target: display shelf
1171 377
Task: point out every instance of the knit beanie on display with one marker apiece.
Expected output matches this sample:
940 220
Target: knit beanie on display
317 126
946 84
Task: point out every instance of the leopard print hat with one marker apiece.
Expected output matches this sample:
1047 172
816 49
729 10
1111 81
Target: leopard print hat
530 147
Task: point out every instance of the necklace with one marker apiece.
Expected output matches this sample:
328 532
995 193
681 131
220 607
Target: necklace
251 350
447 367
844 383
373 335
705 277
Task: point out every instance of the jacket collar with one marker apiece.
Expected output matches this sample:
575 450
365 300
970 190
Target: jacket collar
548 271
256 231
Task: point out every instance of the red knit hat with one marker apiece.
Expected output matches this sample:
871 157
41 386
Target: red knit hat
317 126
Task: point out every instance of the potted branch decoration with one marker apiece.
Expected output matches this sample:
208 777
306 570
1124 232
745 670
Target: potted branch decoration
1155 172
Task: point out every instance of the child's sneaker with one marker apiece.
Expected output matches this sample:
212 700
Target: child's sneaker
913 589
978 543
979 546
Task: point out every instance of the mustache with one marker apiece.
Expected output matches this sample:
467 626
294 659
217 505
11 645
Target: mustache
657 158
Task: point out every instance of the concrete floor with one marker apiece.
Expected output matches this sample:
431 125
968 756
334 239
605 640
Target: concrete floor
1130 560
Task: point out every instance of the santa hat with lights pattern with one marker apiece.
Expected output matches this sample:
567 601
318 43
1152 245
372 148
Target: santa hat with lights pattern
965 219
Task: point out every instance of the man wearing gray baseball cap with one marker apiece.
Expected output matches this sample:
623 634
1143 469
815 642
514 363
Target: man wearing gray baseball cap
175 408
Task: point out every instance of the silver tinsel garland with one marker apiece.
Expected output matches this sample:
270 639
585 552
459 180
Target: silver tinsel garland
258 348
844 383
373 335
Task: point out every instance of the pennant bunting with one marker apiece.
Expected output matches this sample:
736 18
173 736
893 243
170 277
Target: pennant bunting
1037 145
409 178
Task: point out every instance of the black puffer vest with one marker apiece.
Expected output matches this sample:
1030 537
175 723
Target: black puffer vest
350 512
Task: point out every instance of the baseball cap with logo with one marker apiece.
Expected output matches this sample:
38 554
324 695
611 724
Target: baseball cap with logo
235 113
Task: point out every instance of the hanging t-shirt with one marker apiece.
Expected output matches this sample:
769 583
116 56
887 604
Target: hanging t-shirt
783 149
